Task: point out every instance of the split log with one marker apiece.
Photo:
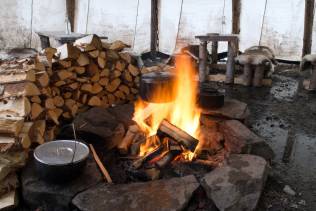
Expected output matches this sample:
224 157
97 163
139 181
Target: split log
133 70
64 74
113 85
36 110
89 43
94 101
24 136
126 57
83 60
11 125
118 45
19 89
166 129
49 103
43 80
68 51
53 116
94 54
16 75
128 139
36 99
18 107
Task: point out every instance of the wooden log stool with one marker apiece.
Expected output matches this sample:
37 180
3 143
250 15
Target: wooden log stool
309 62
257 63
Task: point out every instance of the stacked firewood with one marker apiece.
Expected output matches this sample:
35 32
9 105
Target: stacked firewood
63 82
38 95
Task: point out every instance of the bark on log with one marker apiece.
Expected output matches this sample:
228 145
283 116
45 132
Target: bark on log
166 129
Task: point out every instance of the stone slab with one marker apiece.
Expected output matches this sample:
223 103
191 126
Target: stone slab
237 185
38 193
162 195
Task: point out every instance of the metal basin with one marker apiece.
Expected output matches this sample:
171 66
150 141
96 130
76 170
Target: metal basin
60 160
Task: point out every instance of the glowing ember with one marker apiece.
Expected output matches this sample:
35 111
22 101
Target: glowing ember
182 112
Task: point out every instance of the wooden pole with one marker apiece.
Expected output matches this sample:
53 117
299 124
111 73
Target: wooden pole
236 8
308 27
154 28
71 5
202 61
236 5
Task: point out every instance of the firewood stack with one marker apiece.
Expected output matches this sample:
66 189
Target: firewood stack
36 96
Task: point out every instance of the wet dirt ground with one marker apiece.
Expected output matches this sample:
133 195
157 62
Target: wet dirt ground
285 115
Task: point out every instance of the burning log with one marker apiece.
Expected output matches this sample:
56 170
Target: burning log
166 129
156 152
169 156
138 140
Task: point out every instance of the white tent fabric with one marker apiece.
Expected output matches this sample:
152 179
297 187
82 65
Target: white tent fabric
180 21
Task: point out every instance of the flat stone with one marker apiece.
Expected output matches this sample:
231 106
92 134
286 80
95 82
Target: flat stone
237 185
38 193
98 121
232 109
239 139
171 194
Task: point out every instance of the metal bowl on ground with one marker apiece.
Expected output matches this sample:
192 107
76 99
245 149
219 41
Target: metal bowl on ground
61 160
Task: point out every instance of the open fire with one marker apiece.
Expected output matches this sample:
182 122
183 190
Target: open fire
182 112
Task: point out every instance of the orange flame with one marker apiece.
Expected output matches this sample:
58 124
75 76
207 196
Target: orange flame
181 112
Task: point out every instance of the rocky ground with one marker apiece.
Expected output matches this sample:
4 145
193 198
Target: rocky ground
284 115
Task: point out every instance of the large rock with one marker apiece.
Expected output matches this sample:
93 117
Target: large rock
37 193
237 185
168 195
239 139
105 124
98 121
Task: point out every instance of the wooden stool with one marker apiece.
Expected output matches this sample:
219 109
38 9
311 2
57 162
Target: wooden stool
310 61
254 68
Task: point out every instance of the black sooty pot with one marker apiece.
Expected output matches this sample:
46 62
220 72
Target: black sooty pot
61 160
209 98
156 82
